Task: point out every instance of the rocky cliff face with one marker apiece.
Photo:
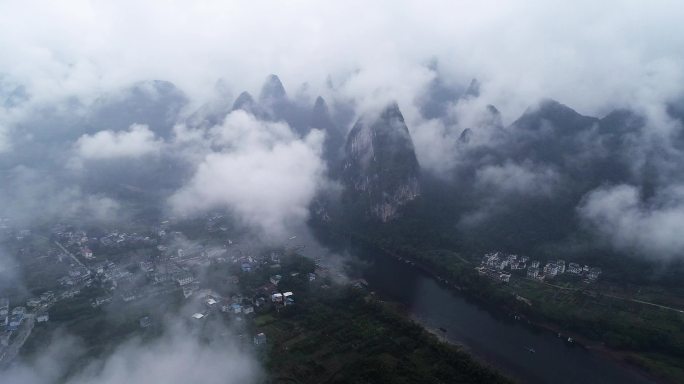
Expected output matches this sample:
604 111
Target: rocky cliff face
333 144
380 167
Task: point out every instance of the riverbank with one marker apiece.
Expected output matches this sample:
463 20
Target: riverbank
342 335
507 358
624 358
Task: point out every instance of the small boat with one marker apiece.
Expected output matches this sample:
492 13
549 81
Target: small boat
570 340
442 329
531 350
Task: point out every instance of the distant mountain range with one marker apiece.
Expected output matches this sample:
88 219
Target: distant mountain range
374 158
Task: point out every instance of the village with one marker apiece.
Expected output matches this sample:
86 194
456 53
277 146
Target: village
501 266
235 281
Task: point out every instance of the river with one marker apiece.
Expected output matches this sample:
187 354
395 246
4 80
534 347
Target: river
503 343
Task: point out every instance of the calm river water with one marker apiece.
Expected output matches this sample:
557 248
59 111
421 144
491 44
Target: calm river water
503 343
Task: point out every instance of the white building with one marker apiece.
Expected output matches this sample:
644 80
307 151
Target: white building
33 302
184 278
533 272
594 273
560 266
574 268
550 269
260 339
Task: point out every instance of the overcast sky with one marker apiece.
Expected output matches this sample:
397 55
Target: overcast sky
589 54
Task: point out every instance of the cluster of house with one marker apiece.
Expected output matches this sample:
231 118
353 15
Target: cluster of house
77 275
161 278
558 267
168 270
165 273
238 305
494 265
22 234
122 239
216 223
80 243
499 265
284 298
235 305
263 297
12 320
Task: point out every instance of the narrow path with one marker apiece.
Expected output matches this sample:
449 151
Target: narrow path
70 254
619 298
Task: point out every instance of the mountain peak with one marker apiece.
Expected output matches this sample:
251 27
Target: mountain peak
465 136
320 106
552 104
391 112
565 119
272 89
473 90
244 102
380 167
320 115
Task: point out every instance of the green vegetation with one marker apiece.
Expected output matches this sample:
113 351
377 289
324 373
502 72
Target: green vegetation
333 334
342 336
635 329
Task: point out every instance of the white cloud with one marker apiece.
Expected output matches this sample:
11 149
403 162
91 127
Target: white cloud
137 141
653 228
437 140
178 356
34 196
525 179
176 359
4 139
261 171
436 146
592 55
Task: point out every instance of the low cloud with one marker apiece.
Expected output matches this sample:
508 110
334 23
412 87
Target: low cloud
4 139
137 141
179 356
260 171
9 271
177 359
436 146
34 196
653 228
524 179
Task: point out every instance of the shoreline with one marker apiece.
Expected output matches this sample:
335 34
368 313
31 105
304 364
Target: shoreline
580 341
